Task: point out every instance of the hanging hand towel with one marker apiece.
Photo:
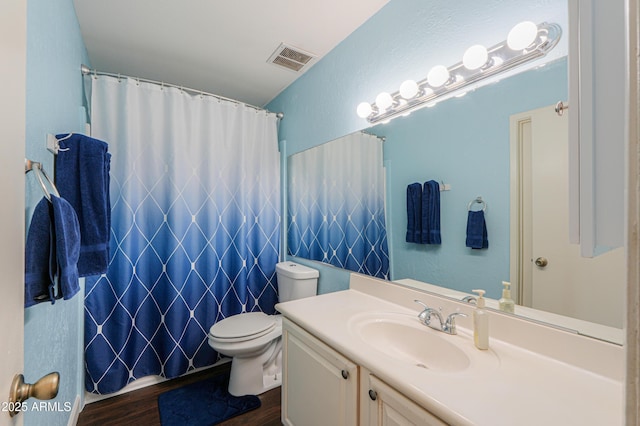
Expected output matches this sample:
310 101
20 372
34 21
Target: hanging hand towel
477 230
67 240
51 253
82 178
431 213
414 215
40 256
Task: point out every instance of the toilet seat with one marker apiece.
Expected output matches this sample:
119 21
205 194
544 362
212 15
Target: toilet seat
242 327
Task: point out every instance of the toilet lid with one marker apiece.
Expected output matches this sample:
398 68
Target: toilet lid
245 326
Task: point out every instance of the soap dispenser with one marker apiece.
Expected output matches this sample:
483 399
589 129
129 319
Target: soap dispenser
506 303
480 323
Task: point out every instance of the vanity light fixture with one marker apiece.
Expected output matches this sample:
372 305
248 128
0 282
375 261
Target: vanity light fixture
525 42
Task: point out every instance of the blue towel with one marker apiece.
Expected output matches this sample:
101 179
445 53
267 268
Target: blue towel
431 213
51 253
67 239
82 178
40 257
477 230
414 215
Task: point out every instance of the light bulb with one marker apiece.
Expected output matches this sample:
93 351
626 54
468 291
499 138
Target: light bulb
384 101
475 57
438 76
408 89
364 109
522 35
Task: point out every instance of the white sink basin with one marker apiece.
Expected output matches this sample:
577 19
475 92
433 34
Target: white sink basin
403 338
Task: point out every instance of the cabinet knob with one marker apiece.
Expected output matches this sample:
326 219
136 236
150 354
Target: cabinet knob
373 394
345 374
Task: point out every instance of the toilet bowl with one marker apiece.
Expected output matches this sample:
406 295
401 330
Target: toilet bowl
254 339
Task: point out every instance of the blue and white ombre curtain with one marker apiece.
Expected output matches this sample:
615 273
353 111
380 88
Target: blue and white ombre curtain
195 195
336 209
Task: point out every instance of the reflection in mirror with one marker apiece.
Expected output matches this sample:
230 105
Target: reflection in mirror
336 205
550 273
465 142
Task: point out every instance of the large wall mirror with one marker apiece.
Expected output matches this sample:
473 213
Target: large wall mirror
485 144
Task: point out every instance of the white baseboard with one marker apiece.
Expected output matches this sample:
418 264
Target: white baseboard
75 412
143 382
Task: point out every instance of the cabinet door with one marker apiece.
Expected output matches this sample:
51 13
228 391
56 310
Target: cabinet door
319 386
388 407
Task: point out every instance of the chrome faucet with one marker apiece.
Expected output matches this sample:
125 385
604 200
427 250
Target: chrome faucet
469 299
446 326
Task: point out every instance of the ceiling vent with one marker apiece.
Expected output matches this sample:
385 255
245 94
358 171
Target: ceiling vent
291 58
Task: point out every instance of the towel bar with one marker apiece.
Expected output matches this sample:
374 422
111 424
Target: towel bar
39 171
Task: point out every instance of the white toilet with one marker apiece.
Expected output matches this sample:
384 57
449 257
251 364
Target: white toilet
254 339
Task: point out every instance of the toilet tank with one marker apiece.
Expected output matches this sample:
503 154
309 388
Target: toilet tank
296 281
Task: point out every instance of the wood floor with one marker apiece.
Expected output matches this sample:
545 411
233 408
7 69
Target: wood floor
140 407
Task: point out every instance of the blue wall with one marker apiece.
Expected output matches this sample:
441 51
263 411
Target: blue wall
53 333
403 40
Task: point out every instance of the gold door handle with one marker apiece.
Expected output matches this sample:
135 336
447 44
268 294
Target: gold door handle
541 262
45 388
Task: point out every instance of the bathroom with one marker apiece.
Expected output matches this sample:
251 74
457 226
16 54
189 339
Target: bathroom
53 335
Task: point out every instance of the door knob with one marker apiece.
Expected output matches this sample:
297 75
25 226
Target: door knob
45 388
541 262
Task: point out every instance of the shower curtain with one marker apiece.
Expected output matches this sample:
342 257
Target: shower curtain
336 210
195 195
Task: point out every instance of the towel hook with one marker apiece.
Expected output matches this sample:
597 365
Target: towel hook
560 107
53 143
477 200
65 137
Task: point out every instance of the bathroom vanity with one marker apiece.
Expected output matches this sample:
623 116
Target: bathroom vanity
362 357
332 386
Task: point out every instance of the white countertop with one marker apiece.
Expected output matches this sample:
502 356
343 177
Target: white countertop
523 388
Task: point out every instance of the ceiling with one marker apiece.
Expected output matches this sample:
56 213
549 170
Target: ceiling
216 46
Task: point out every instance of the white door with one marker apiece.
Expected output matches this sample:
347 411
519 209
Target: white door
554 277
13 20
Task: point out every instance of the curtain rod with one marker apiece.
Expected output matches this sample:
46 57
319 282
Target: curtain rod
85 70
382 138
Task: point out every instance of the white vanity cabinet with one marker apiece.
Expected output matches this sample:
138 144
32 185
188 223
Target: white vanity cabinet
382 405
319 386
322 387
